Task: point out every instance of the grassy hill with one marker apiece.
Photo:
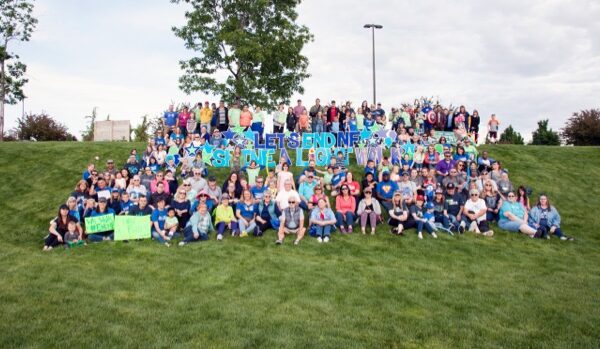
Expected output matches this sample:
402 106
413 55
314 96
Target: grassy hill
357 291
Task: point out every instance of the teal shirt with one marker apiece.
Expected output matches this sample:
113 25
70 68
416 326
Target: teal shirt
515 208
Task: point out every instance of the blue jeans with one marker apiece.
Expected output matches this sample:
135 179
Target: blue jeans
157 237
323 231
426 225
491 216
100 236
348 217
188 235
444 220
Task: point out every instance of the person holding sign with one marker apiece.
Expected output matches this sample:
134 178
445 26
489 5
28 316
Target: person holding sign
199 226
103 231
59 226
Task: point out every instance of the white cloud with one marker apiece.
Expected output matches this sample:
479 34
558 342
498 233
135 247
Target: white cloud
523 60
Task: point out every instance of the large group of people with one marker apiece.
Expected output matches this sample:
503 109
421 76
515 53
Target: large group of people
431 191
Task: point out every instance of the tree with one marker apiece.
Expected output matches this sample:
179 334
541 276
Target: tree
16 23
140 132
42 127
256 45
510 136
88 134
545 136
583 128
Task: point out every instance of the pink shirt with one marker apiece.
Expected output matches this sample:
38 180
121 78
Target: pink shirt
343 205
154 183
184 117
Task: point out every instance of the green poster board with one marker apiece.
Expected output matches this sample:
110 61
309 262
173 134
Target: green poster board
132 227
99 224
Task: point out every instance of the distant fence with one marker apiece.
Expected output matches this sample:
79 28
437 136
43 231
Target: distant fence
112 130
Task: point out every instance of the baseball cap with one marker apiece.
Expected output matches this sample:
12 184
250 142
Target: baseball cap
405 173
110 161
439 191
102 199
212 179
420 197
429 205
450 186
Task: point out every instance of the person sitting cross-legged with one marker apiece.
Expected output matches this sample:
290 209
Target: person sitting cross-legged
291 221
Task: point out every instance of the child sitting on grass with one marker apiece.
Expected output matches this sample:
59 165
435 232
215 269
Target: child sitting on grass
171 223
72 236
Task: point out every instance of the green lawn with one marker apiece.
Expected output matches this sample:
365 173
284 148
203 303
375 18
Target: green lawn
357 291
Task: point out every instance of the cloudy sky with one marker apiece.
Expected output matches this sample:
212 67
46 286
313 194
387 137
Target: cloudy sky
523 60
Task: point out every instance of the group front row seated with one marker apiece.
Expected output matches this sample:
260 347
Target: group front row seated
198 207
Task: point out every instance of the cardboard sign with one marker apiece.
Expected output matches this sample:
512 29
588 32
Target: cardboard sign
132 227
99 224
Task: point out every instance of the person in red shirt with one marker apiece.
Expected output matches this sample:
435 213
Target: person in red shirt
345 205
332 111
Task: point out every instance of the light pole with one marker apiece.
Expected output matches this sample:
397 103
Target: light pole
373 27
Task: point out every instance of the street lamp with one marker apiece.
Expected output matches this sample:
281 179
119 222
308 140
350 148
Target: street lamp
373 27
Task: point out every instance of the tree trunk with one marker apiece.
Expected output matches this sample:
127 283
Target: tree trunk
2 82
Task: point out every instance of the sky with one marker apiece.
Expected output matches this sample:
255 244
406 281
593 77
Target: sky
522 60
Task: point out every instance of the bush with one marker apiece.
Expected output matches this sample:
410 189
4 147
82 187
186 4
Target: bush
583 128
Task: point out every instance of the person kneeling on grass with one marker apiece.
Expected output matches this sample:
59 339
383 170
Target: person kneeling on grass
474 214
199 225
291 222
545 218
224 218
59 226
368 208
158 218
324 221
513 216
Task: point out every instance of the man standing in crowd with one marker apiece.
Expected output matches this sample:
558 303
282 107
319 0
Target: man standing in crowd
314 110
170 119
299 109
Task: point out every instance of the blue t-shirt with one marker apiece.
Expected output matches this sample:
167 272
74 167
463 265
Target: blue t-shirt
159 216
338 178
257 192
160 141
125 206
246 210
171 118
386 189
368 123
372 171
352 125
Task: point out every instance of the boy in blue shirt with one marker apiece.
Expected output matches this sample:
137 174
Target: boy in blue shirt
159 215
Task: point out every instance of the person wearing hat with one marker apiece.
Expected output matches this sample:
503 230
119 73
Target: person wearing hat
455 204
475 214
417 212
406 186
440 209
291 221
224 218
368 209
443 167
385 190
114 201
100 210
110 167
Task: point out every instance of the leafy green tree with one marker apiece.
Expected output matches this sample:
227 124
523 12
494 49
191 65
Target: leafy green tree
42 127
256 45
544 136
88 134
16 23
140 132
583 128
510 136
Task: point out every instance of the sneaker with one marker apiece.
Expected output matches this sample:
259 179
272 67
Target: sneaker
167 244
342 230
350 230
326 239
296 242
488 233
220 237
461 227
181 243
320 239
278 242
420 236
243 234
434 235
473 226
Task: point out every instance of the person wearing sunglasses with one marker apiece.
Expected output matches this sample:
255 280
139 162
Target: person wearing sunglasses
323 220
291 221
345 205
513 216
475 214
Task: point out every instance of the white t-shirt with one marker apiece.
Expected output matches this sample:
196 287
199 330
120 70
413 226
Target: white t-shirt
283 197
476 207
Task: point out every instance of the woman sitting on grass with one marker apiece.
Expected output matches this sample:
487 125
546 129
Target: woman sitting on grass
345 205
245 213
224 218
545 218
513 216
493 200
59 226
267 214
368 208
398 214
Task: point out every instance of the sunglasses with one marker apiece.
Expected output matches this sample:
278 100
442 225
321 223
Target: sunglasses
368 192
291 202
474 194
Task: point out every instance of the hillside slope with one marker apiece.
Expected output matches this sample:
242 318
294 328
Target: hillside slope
357 291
